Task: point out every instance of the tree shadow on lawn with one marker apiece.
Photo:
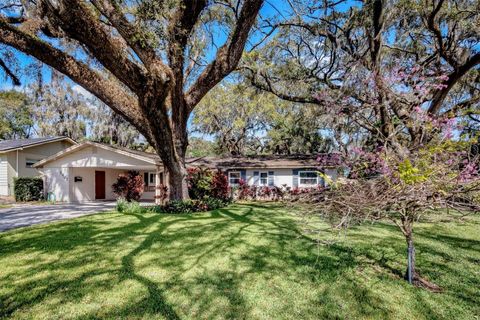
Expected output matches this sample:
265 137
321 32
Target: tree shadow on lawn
194 266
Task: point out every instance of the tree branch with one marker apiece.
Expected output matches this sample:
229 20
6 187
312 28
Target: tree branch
128 31
107 91
453 78
9 73
78 21
227 57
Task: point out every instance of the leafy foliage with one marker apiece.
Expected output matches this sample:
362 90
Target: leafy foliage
16 121
438 176
129 186
207 183
28 189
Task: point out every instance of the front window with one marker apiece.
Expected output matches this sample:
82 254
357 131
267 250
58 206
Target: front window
308 178
151 182
29 163
263 178
234 178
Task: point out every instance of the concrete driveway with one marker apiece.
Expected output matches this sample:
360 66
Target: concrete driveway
27 215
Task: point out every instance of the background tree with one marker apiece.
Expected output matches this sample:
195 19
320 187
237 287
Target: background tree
346 55
199 147
243 120
298 129
152 66
59 110
109 127
234 115
15 115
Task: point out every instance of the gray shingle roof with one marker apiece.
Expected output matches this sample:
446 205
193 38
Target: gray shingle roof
6 145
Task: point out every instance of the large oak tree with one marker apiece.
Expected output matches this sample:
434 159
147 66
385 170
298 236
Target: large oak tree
150 61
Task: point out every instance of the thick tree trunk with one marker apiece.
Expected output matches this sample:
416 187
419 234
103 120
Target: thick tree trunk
177 181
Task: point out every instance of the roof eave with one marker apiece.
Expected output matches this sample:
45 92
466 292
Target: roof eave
39 144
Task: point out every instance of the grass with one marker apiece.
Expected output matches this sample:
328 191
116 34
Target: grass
247 261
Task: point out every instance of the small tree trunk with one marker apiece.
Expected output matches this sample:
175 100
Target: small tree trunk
410 275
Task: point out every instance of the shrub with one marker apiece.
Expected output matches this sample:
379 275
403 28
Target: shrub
199 182
190 206
219 187
205 183
129 186
28 189
124 206
178 206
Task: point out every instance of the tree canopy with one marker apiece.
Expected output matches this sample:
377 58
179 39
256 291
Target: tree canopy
150 61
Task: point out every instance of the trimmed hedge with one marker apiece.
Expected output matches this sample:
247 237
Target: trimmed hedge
28 189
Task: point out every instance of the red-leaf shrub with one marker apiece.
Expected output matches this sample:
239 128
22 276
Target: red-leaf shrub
219 186
129 186
204 183
243 190
199 182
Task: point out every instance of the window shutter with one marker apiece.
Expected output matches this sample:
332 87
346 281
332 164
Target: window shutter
243 175
256 177
295 177
271 175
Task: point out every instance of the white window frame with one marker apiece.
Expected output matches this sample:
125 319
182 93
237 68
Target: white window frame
260 179
230 177
150 174
300 184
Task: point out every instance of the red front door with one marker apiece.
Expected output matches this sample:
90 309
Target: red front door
99 185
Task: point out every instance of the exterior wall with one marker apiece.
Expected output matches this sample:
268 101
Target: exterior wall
282 176
84 163
19 168
56 181
3 175
84 190
61 182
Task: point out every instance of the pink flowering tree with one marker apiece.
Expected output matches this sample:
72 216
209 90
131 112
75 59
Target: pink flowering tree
386 185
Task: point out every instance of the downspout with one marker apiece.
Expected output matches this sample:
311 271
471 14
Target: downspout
17 165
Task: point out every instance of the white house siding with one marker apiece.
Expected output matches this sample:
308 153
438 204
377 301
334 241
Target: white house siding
16 161
282 176
3 175
83 163
56 181
85 190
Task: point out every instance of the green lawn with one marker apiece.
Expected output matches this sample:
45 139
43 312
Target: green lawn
248 261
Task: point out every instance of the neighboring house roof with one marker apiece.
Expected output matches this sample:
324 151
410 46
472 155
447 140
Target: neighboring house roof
262 161
18 144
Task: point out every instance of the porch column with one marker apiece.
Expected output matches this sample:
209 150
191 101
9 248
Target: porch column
158 187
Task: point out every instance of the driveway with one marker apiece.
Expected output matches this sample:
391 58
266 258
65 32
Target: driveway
27 215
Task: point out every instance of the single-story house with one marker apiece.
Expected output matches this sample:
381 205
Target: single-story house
86 171
18 156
